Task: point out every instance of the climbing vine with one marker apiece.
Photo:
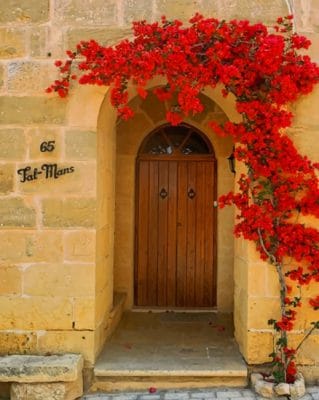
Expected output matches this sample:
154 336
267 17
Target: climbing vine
265 71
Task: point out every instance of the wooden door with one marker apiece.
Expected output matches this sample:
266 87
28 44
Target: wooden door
175 238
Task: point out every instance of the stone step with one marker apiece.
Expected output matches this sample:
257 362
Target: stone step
122 380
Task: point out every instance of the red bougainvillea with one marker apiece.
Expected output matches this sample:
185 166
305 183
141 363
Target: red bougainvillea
264 71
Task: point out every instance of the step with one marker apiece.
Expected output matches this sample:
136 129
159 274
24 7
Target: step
121 379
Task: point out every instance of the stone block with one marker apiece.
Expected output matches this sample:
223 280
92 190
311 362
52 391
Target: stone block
84 12
184 9
80 145
6 178
24 12
15 212
260 310
12 144
12 42
10 280
136 10
45 391
32 110
79 246
17 342
70 212
259 346
34 368
106 36
30 313
25 77
59 280
256 11
62 341
39 46
36 136
84 312
55 177
1 76
30 246
305 110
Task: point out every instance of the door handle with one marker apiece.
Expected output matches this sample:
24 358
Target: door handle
163 193
191 193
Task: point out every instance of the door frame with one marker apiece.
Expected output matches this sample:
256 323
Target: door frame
197 157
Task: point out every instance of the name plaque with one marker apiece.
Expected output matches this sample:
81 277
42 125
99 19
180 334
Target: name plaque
47 170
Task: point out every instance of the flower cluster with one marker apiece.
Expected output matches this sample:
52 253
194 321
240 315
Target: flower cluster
265 72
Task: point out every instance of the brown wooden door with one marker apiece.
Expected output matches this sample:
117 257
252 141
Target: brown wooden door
175 238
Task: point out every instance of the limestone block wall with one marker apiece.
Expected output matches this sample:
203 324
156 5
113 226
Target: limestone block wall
256 284
57 233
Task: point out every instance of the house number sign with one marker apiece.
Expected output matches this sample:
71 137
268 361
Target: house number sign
47 170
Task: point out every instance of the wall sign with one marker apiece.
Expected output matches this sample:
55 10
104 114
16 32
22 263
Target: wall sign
47 170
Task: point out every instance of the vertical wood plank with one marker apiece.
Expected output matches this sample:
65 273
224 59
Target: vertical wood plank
172 234
191 233
152 277
208 297
200 236
181 234
163 183
141 257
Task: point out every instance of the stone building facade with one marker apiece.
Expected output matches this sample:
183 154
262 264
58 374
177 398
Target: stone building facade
67 236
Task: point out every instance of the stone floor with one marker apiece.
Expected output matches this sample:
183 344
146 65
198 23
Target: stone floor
174 342
203 394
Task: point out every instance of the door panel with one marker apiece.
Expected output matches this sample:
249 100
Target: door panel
175 234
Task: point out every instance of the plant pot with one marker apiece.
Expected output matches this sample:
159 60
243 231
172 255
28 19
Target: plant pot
270 390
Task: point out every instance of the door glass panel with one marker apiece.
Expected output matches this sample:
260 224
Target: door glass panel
157 144
170 140
195 145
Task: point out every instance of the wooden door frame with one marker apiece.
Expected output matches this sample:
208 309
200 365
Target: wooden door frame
198 157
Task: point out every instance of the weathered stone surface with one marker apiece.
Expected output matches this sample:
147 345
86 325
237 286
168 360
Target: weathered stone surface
74 212
255 11
307 17
10 280
36 313
6 178
31 110
12 144
61 341
15 212
298 389
39 42
27 246
1 76
265 389
12 42
138 9
28 76
55 368
59 279
80 145
46 391
282 389
254 378
24 11
86 12
104 36
36 136
17 342
79 246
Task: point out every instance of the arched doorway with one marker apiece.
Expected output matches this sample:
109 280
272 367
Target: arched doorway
175 244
